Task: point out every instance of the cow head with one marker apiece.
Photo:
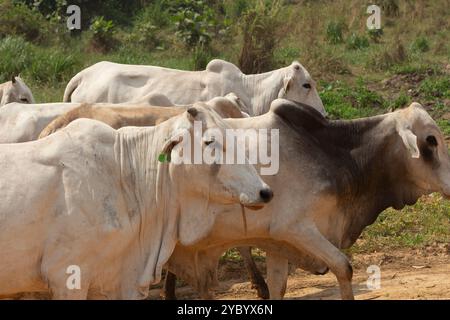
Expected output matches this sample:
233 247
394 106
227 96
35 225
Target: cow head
16 91
428 159
204 137
243 108
200 182
299 86
226 107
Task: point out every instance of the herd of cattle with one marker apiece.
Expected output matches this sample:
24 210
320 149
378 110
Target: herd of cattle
95 194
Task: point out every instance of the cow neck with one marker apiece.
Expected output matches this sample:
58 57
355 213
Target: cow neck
146 183
133 149
375 176
263 89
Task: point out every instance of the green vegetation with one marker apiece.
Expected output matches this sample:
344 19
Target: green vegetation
258 28
355 42
425 223
359 72
420 45
335 32
102 37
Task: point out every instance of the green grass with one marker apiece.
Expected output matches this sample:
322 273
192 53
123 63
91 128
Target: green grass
427 222
344 101
445 126
45 94
435 87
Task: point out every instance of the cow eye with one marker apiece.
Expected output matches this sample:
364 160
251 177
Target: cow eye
431 140
208 142
307 86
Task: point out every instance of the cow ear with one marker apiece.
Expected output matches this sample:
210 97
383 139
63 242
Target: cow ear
165 154
286 85
410 141
193 112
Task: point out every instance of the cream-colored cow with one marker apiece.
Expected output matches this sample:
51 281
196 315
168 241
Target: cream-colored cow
119 83
15 91
99 203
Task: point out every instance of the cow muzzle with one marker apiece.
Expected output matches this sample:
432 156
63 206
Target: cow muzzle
265 195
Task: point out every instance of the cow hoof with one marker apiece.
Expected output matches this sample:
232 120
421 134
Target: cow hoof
165 296
262 290
322 272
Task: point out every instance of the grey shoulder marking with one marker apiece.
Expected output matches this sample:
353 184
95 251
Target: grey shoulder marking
299 115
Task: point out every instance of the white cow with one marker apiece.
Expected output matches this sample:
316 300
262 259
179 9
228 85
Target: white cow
15 91
96 203
114 83
24 122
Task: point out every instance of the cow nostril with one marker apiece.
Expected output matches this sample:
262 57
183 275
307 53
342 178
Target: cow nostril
266 195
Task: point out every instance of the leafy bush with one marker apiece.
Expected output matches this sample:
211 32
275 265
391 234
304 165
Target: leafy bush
117 10
258 26
145 35
194 21
156 13
356 42
237 8
102 34
420 45
335 32
19 20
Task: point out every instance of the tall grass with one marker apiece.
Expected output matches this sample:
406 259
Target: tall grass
39 64
258 27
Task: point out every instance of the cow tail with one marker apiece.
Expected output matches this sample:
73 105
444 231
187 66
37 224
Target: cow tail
83 111
71 86
52 127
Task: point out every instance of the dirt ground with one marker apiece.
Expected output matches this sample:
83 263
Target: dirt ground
405 274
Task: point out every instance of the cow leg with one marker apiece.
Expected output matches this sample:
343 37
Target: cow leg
309 239
256 278
169 286
207 265
59 291
277 274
